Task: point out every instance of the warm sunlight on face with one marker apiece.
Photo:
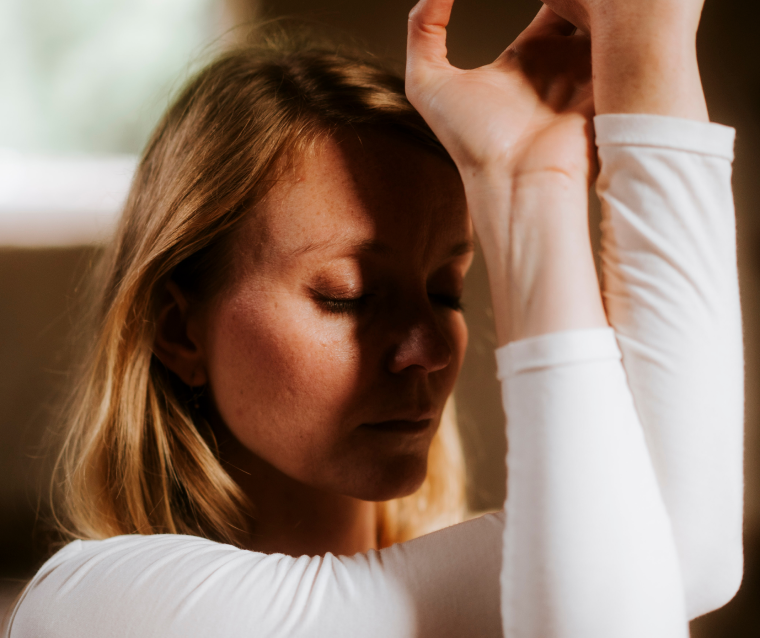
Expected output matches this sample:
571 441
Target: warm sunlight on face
332 353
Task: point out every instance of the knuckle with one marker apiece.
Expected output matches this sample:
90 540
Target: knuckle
414 14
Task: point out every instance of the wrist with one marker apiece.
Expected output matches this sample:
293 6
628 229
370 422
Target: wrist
505 204
498 185
533 229
648 68
672 21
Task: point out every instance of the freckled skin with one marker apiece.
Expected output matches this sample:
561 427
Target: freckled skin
296 378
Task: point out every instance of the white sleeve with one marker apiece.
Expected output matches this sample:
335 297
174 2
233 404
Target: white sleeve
445 584
671 294
625 484
588 549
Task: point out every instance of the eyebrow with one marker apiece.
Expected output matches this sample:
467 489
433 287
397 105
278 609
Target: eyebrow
371 246
368 246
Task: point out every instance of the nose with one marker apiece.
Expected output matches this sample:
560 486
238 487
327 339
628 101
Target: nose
420 345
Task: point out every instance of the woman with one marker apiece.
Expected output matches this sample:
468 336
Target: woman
281 332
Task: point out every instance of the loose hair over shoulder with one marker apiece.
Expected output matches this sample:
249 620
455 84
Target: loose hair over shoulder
137 456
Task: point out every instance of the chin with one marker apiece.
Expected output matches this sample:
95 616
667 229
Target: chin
393 479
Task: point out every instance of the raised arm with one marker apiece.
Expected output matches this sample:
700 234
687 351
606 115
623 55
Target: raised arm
588 547
671 293
519 132
670 280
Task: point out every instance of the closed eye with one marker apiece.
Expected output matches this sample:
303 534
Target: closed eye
449 301
342 305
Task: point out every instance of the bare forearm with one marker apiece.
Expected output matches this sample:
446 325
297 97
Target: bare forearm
535 240
647 63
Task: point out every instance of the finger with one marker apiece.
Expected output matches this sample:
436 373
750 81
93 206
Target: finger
426 41
546 23
572 10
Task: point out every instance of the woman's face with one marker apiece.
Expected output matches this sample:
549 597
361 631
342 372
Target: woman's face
333 350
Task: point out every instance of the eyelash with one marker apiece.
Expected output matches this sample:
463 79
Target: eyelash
450 301
346 306
343 306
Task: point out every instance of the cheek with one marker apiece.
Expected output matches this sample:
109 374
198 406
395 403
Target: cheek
282 380
292 385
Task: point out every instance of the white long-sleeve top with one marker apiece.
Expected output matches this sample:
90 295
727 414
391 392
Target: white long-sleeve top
623 516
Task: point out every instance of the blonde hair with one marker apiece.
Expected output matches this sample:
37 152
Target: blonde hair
137 457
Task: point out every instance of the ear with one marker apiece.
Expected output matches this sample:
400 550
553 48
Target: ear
178 341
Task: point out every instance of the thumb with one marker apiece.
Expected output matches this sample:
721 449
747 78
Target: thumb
426 40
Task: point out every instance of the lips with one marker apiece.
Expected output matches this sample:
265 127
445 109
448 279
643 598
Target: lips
400 426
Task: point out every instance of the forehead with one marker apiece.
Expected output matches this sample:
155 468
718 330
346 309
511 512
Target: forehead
361 190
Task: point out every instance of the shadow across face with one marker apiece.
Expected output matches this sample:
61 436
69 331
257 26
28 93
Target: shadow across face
331 353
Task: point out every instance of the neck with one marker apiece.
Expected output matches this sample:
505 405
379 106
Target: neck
292 518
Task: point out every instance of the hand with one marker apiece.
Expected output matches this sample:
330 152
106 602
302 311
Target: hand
519 131
526 112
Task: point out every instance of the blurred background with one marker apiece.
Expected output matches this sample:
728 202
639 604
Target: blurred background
82 83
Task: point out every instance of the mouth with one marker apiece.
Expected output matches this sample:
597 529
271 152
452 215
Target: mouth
400 426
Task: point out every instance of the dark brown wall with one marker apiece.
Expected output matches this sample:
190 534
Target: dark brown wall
38 304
